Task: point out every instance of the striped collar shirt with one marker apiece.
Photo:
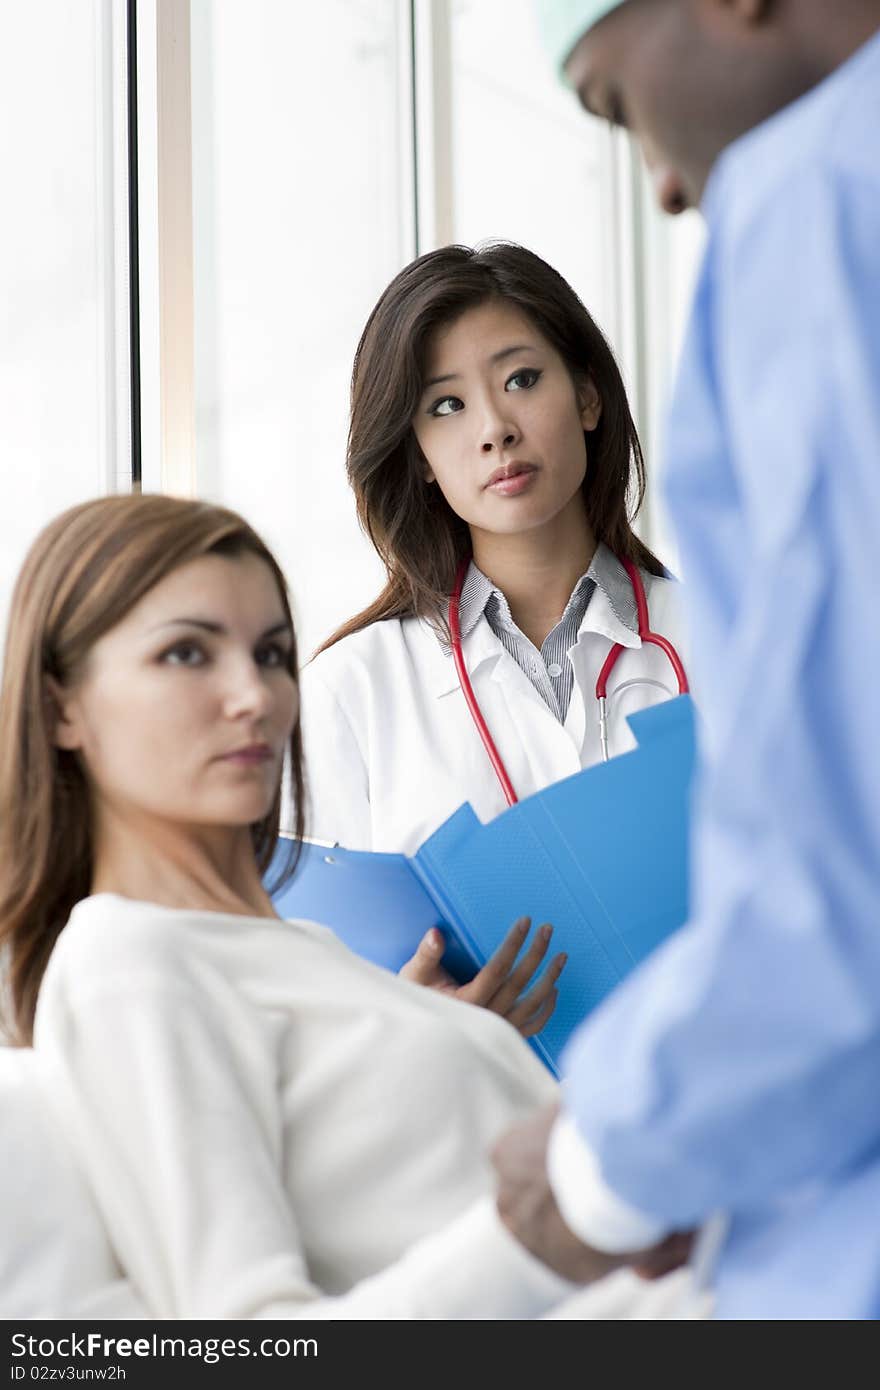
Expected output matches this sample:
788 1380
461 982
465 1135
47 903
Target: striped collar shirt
549 670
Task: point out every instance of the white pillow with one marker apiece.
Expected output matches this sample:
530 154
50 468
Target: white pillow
55 1259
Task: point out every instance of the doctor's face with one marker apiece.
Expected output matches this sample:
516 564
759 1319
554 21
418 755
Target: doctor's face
183 710
501 423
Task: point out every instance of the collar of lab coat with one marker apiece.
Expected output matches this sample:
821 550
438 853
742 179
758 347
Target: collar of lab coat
482 646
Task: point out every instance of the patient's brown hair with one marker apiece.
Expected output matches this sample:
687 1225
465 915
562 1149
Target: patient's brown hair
83 574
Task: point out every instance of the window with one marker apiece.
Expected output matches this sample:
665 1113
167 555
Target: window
291 160
302 211
64 387
526 164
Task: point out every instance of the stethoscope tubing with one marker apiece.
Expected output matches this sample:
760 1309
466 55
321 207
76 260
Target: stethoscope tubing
464 681
646 635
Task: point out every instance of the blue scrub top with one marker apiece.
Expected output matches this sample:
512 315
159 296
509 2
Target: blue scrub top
739 1069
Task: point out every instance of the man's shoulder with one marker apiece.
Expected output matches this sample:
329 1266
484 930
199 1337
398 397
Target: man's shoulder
820 149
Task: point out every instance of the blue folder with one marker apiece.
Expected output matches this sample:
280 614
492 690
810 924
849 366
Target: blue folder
602 855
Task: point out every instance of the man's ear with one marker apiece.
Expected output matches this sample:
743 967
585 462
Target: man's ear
63 722
739 12
752 11
589 403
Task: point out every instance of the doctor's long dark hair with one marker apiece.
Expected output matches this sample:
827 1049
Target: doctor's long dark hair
82 575
411 525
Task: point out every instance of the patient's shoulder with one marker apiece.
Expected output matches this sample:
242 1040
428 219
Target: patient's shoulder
108 937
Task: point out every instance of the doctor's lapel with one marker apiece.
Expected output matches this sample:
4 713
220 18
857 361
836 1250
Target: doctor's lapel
531 741
479 648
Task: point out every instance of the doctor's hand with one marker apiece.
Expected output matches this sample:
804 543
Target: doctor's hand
500 984
528 1209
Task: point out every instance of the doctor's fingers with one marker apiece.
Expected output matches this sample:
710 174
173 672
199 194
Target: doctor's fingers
495 974
523 973
527 1028
424 967
531 1012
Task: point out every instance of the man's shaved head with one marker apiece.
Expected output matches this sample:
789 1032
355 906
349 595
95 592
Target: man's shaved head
688 77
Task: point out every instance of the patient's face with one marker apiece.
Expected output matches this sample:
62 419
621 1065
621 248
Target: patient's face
183 710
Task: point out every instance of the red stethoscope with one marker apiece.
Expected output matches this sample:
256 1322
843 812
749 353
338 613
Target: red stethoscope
645 634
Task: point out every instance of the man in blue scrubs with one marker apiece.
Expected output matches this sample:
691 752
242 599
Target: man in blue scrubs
739 1070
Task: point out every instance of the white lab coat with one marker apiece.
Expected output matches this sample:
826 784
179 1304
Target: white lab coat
392 751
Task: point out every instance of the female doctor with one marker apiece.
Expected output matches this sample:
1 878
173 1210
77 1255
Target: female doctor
491 451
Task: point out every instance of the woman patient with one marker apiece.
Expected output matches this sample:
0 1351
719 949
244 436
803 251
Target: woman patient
255 1109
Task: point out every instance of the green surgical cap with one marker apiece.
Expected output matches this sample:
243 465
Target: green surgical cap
564 22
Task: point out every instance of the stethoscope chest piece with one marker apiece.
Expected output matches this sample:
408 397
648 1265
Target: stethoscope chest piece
646 635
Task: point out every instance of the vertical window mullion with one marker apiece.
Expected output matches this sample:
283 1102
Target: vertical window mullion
408 153
146 196
432 49
132 268
174 167
165 331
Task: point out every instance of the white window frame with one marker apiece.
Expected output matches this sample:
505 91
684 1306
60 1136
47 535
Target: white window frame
115 467
167 387
167 371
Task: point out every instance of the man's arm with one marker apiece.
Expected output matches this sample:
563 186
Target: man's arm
741 1060
528 1207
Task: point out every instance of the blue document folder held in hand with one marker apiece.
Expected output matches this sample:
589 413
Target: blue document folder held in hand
603 856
